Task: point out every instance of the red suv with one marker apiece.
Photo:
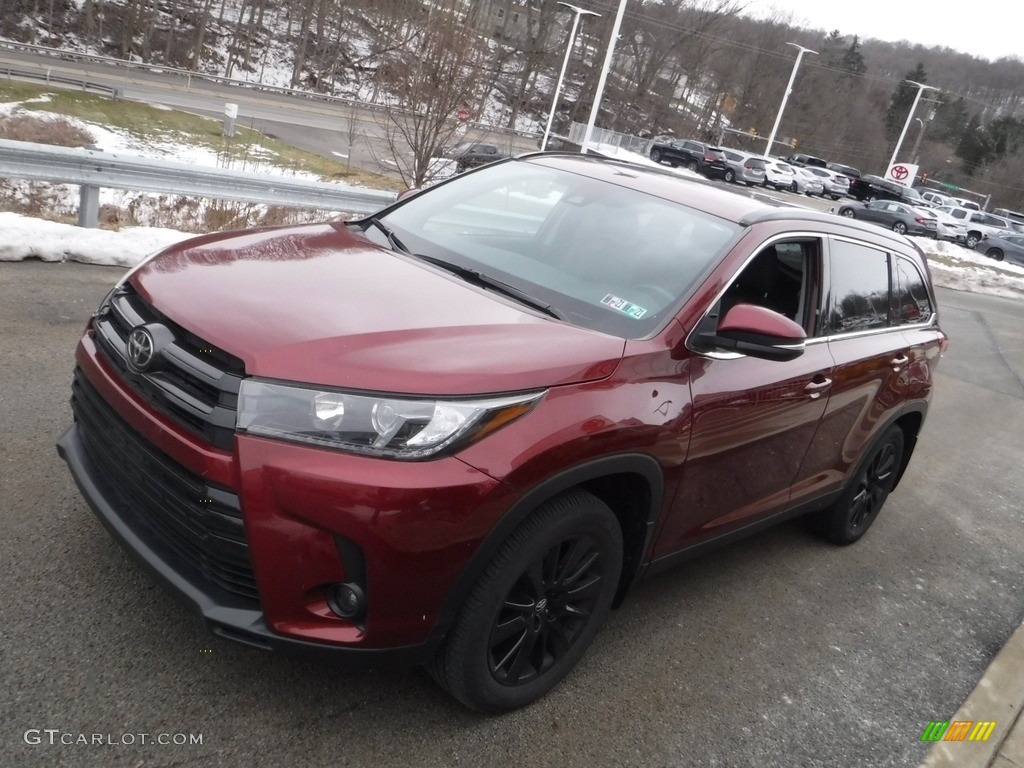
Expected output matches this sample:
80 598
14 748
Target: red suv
455 433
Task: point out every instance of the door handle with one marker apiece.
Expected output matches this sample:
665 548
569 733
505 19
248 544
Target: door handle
815 388
898 362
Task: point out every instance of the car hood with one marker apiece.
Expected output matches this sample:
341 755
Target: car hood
322 305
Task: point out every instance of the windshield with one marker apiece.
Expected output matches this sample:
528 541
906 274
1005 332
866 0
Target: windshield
603 256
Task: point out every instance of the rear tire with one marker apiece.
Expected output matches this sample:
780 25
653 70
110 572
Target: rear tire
691 166
972 240
849 518
847 212
656 156
730 177
899 228
536 608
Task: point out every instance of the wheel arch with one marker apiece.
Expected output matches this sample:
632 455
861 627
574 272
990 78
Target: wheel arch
632 485
910 420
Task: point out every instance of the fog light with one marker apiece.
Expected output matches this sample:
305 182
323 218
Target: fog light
347 600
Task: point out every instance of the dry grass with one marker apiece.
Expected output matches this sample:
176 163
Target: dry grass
58 131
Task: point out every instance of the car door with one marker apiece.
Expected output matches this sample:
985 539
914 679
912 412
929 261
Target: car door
871 355
877 211
752 419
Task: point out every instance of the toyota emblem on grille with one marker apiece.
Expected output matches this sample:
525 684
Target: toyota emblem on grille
141 349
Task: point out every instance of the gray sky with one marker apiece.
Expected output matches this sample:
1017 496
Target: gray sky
986 28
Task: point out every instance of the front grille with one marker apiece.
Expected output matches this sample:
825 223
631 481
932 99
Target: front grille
197 525
195 385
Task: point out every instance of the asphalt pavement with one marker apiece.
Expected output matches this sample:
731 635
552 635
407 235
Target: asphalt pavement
776 651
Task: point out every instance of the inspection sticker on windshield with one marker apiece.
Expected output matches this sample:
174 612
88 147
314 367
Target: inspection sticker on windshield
623 306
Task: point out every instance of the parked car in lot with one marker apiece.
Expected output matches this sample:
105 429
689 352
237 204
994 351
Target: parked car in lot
744 167
980 225
456 432
806 183
946 227
835 185
806 161
695 156
848 171
473 154
899 217
868 188
933 197
1009 247
779 174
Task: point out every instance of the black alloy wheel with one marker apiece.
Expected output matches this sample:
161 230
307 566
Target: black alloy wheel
994 253
849 518
536 608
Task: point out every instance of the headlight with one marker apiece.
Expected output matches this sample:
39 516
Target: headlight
378 425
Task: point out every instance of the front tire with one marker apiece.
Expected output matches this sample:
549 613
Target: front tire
536 608
730 176
853 513
972 240
656 156
994 253
899 228
847 213
692 166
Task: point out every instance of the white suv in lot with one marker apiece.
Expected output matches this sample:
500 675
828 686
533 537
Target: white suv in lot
979 224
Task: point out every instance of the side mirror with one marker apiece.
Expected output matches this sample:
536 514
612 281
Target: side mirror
757 332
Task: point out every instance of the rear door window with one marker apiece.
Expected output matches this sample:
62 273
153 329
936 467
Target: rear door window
859 288
911 303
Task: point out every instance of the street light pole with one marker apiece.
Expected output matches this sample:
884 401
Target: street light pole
785 96
565 63
604 75
921 88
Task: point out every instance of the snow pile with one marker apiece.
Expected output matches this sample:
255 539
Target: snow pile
970 270
27 238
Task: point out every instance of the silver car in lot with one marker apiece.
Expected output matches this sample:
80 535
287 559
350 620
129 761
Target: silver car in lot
946 227
835 185
1008 247
744 167
804 181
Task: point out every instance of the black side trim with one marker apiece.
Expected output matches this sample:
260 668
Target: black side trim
633 463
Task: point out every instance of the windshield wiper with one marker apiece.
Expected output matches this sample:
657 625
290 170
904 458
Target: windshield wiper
486 281
393 241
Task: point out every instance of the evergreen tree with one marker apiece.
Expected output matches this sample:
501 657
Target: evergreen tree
853 60
902 99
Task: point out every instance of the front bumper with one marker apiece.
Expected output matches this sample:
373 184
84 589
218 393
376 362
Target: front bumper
312 518
224 614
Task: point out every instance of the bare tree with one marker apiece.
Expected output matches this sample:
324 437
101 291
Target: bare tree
429 83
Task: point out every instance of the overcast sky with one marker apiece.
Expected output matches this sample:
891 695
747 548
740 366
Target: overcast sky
985 28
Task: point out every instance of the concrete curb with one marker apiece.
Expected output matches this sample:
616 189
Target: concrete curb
999 696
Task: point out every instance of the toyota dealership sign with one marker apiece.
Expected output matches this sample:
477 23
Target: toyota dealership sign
902 173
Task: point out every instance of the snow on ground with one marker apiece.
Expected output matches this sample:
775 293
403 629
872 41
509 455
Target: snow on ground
27 238
24 237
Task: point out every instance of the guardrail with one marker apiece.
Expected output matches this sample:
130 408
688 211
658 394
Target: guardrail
93 169
49 77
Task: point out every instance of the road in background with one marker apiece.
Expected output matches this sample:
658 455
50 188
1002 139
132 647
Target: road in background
309 123
776 651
